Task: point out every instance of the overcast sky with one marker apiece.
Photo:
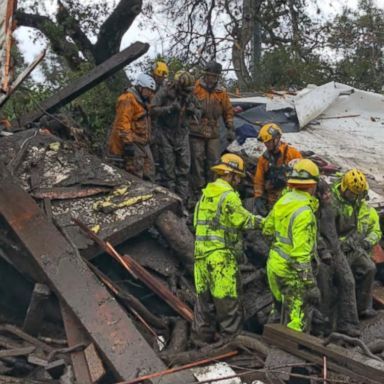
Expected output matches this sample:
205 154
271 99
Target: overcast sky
30 49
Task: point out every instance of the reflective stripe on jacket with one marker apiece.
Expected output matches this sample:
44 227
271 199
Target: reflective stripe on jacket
292 224
357 218
219 217
132 123
286 154
215 104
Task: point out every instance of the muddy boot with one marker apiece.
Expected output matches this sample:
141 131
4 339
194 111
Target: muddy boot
229 315
367 313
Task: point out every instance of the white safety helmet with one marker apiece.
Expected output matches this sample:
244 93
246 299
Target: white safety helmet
145 81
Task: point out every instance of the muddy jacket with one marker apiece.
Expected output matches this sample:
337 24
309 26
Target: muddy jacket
132 123
219 218
270 176
293 227
177 120
355 219
215 104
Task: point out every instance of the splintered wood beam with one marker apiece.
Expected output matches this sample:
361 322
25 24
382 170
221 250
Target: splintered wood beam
122 346
347 362
86 82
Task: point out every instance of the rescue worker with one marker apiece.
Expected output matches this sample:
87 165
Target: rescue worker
219 220
335 277
160 73
292 226
131 131
358 229
174 106
205 135
271 172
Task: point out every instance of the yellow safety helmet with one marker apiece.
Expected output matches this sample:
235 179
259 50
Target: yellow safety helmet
230 163
355 181
184 78
160 69
268 132
304 171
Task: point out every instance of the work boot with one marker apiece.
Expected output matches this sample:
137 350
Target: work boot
350 330
367 313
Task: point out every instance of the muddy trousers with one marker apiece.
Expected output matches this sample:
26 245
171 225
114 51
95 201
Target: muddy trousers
289 294
364 270
337 287
204 154
218 306
176 161
141 164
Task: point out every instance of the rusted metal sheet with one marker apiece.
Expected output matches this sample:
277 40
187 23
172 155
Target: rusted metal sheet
88 81
124 349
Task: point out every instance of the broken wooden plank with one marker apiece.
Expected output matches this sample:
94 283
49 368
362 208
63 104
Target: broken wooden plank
75 335
62 193
95 365
88 81
310 348
24 336
36 310
133 267
69 277
23 351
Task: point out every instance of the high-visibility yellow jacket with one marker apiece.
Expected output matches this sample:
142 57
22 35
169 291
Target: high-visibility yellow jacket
132 123
358 218
293 227
219 218
215 104
271 170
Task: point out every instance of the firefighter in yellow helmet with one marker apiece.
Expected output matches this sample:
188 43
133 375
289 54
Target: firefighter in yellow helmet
160 72
173 107
270 177
358 228
219 220
292 226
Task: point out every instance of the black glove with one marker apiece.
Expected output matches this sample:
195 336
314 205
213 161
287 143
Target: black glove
260 206
366 245
129 150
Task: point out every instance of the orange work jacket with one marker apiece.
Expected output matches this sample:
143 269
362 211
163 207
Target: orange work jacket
263 181
132 123
215 104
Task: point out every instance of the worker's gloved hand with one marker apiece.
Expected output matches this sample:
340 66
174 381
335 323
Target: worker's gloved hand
366 245
260 206
175 106
313 295
129 150
326 257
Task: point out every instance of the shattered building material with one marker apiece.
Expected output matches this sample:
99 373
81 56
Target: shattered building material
36 310
136 270
106 322
75 335
88 81
345 361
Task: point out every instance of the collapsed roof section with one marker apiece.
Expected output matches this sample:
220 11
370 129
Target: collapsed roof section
343 125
